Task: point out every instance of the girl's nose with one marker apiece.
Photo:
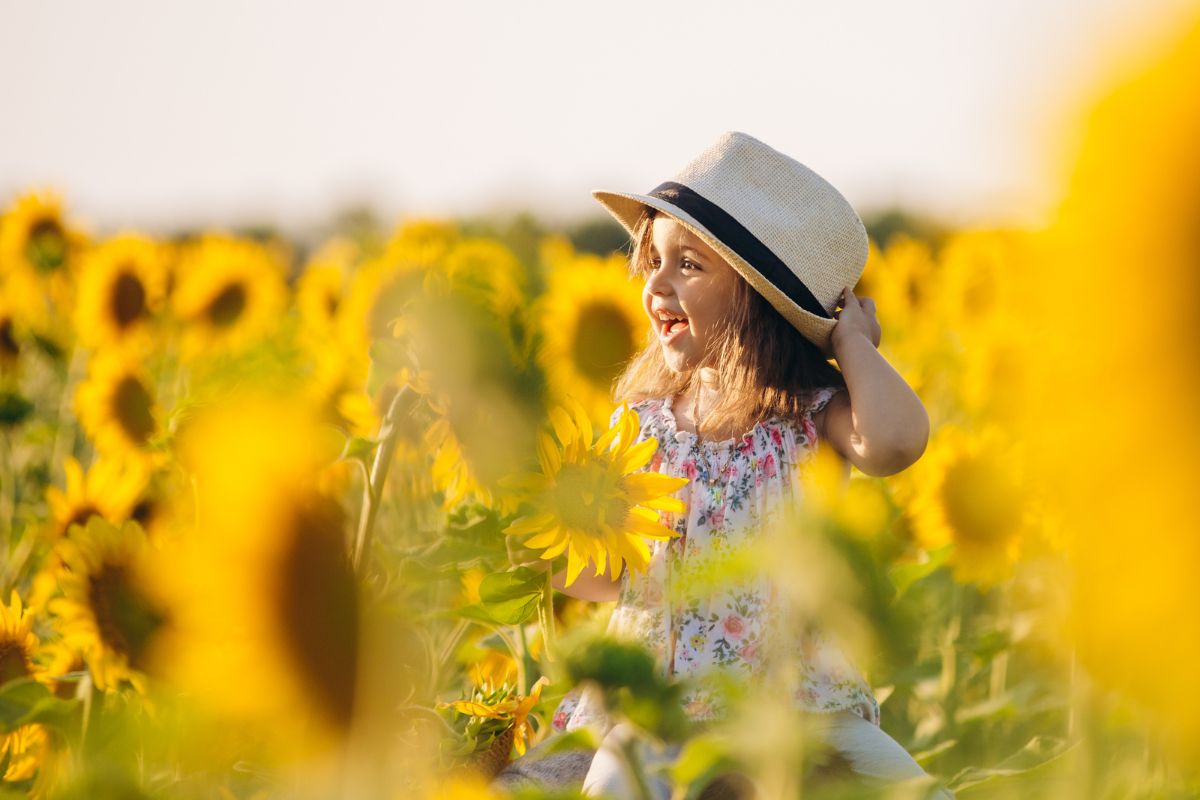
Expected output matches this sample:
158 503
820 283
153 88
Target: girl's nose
657 282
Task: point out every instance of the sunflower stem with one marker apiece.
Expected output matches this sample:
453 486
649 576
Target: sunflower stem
402 403
546 618
64 418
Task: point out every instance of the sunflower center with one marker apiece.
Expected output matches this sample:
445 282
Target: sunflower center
128 299
81 516
132 408
46 247
983 505
587 499
8 342
14 663
144 512
227 307
318 606
603 342
125 618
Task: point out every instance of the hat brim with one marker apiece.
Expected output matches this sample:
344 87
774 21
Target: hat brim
628 207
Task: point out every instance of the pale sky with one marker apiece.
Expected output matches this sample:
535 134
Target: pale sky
162 114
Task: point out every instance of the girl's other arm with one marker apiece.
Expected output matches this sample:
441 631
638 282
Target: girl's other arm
879 425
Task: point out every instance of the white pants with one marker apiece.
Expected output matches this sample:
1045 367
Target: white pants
872 754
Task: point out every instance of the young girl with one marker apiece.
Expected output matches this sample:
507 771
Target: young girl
745 255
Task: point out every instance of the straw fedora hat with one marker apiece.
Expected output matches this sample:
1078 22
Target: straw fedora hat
783 227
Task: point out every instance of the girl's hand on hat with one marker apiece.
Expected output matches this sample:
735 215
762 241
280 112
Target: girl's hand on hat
857 316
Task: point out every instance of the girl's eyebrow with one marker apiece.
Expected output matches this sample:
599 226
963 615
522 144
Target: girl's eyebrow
687 248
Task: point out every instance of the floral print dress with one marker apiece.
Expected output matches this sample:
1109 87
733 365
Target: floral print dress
735 487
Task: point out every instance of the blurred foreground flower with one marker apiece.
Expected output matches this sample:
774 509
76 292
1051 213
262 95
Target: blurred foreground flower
266 603
592 502
1118 361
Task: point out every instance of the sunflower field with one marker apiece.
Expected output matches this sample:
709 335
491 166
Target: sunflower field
279 518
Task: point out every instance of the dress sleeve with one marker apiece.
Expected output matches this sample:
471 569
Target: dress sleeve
821 396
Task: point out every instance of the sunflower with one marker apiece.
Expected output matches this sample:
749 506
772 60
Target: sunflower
592 322
39 251
590 501
422 240
230 292
337 388
265 600
110 489
454 474
111 606
380 292
35 236
21 749
116 406
489 702
488 271
969 489
10 337
122 284
1120 449
323 287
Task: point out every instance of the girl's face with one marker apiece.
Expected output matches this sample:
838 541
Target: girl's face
690 283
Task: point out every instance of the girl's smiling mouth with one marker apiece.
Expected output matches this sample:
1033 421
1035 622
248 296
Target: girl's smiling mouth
670 325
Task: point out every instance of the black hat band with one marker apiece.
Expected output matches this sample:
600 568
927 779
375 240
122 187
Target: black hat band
735 235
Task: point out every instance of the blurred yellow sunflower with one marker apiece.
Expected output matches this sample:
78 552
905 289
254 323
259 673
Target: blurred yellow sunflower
229 293
121 286
35 236
117 407
110 489
592 322
264 602
323 286
337 387
1118 379
59 664
422 240
969 489
39 253
21 749
380 292
487 271
10 334
454 474
112 606
590 501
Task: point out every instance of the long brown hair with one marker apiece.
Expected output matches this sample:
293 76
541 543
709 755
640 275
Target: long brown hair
765 367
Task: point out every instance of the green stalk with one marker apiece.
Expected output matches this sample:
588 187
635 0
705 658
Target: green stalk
546 618
401 404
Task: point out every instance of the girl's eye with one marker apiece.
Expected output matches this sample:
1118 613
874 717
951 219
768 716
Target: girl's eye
687 263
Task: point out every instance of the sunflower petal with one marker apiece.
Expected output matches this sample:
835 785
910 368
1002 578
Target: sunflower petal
529 524
636 456
644 486
564 429
548 455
